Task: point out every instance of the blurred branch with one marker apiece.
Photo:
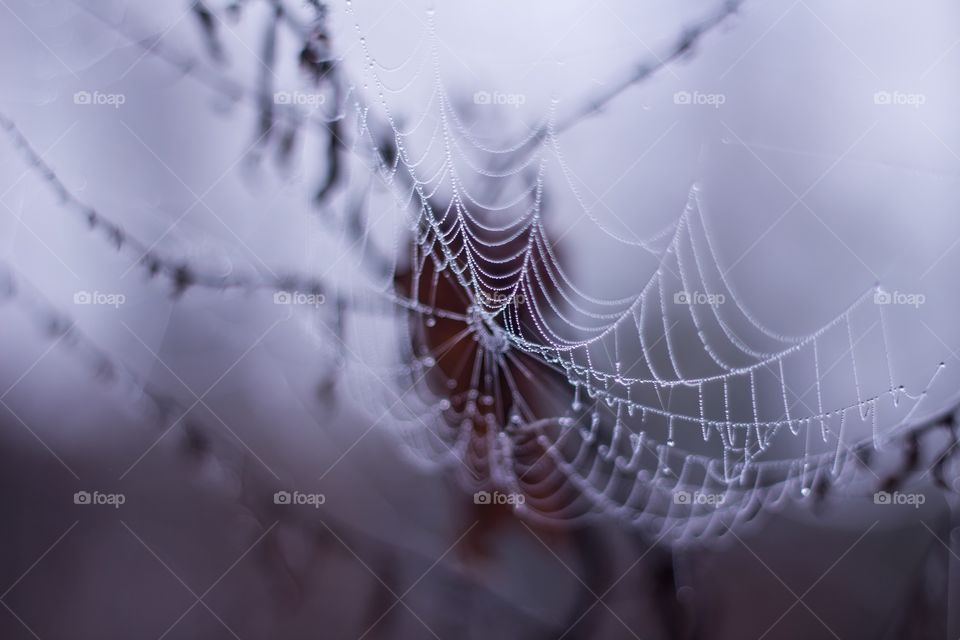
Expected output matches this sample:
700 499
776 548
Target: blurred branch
63 330
265 84
180 274
208 26
682 45
316 59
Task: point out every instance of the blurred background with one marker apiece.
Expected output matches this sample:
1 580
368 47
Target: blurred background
824 140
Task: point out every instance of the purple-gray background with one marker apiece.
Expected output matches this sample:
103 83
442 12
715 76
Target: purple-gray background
879 186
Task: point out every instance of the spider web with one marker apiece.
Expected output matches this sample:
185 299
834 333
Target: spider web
654 432
674 408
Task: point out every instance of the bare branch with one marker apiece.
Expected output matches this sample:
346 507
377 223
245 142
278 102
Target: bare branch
179 274
684 43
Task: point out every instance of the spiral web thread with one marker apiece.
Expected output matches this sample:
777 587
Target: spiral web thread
628 361
655 383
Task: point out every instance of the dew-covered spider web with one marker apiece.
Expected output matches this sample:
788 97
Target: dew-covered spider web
673 408
664 408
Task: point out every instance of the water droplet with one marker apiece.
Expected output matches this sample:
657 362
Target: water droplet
431 321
